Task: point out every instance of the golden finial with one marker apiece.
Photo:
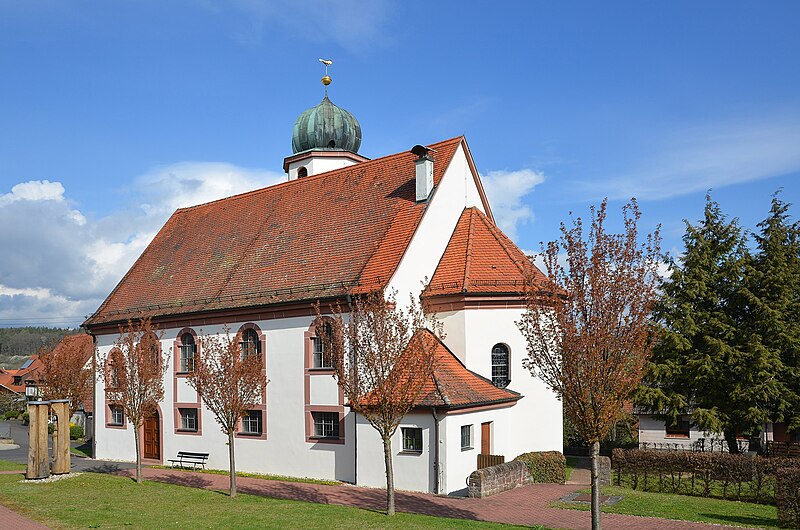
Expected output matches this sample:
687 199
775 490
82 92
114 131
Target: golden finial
326 79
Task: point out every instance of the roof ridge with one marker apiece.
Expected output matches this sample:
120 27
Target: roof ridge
505 242
316 176
468 257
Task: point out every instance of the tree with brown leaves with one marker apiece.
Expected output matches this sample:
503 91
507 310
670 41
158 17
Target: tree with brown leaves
588 326
381 363
134 376
230 378
66 371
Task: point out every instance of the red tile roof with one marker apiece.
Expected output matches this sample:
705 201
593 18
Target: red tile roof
320 236
480 259
453 386
24 374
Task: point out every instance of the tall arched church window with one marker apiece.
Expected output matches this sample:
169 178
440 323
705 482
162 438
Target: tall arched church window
500 374
188 351
250 345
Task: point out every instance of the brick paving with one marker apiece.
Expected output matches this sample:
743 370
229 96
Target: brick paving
528 505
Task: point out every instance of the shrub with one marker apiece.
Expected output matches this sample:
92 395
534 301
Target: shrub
75 431
545 466
26 418
12 414
729 476
787 496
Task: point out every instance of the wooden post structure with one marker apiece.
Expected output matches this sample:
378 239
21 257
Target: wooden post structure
61 457
38 454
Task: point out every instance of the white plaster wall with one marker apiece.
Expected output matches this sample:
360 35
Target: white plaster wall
454 324
456 191
317 165
285 450
653 430
412 472
324 390
459 464
538 415
186 394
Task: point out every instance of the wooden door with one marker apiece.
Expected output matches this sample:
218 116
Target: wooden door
486 438
152 438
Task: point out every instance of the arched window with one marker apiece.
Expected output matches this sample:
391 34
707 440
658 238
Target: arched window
302 172
320 356
250 344
188 351
500 365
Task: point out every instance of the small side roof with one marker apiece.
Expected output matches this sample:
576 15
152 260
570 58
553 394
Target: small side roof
453 386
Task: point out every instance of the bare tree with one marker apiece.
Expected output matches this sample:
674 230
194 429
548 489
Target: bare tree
382 362
588 324
230 378
65 373
134 376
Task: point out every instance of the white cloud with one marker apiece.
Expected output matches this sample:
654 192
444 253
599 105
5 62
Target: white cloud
506 191
34 190
707 157
63 264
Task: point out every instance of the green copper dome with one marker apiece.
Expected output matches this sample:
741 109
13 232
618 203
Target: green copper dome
326 127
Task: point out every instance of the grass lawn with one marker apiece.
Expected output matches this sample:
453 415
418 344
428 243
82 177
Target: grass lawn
106 501
258 475
5 465
686 508
85 449
572 463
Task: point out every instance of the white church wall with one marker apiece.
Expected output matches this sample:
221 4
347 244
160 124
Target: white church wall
539 416
412 471
453 323
285 450
455 192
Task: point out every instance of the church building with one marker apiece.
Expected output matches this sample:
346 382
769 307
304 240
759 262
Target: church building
413 222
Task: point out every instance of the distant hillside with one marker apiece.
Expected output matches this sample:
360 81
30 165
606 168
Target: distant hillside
18 344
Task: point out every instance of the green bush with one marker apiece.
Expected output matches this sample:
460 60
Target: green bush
787 496
12 414
75 431
545 466
26 418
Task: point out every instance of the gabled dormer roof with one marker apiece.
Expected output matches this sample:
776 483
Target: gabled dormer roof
481 259
317 237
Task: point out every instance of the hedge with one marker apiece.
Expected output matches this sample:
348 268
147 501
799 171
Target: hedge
787 496
545 466
728 476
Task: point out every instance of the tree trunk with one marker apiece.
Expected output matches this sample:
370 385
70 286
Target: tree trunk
137 440
387 456
733 444
232 455
596 486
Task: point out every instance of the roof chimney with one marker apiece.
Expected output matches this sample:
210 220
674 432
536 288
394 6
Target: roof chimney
424 165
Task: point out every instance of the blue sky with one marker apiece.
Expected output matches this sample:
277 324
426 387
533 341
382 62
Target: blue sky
129 110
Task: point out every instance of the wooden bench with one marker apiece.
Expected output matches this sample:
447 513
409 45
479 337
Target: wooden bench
186 459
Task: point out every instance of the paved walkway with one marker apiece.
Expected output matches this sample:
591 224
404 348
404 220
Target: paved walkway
10 519
528 505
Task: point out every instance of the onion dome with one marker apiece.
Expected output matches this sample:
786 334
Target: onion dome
326 127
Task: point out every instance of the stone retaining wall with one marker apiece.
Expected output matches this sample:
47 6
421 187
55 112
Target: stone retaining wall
496 479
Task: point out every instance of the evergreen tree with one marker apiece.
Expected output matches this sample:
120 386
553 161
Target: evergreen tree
706 363
773 306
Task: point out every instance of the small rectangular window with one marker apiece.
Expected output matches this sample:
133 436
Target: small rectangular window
466 437
188 419
251 422
117 415
412 439
680 429
326 424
